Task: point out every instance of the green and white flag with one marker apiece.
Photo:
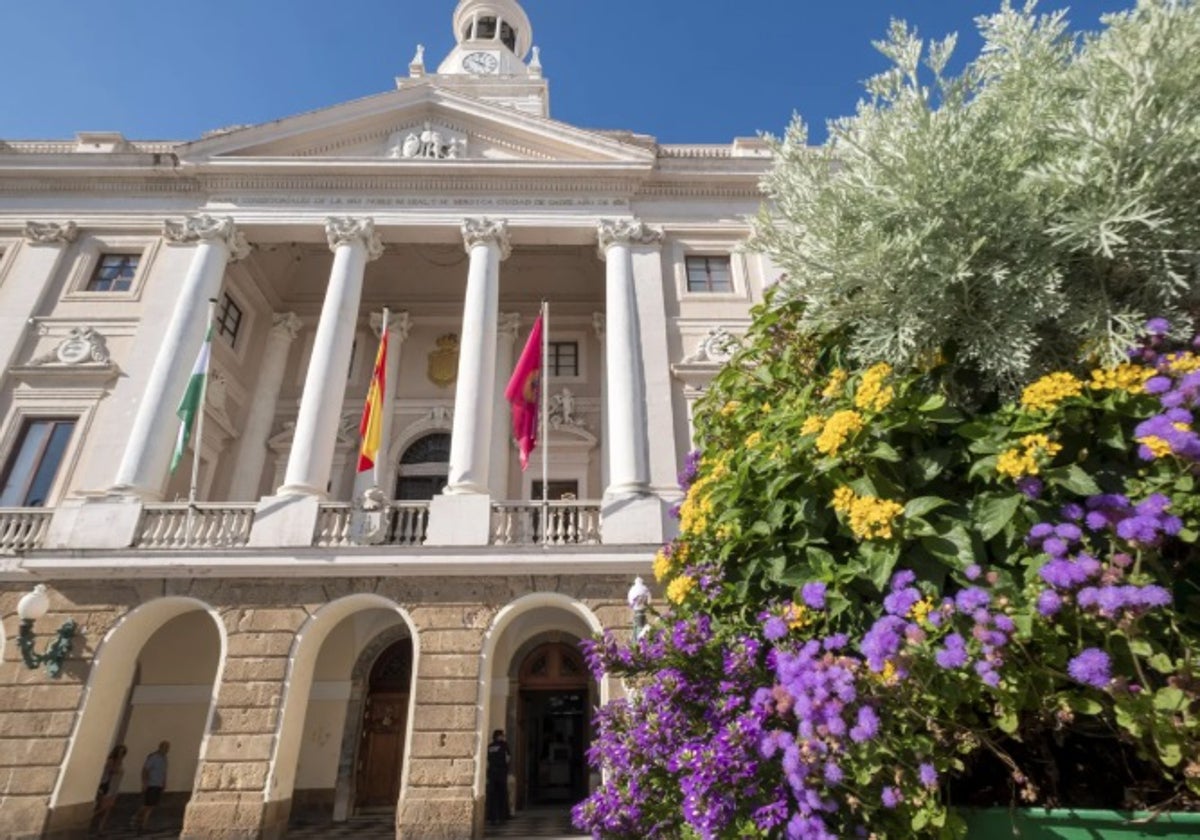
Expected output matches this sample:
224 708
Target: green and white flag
189 406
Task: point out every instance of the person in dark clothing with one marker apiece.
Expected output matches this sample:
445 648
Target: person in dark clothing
497 779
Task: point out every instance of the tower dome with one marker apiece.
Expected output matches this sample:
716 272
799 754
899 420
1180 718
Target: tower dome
482 23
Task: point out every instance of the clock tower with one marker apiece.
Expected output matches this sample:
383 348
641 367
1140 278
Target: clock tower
494 39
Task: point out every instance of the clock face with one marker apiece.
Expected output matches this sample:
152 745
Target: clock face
480 62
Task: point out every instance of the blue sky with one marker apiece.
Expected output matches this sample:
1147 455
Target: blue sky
700 71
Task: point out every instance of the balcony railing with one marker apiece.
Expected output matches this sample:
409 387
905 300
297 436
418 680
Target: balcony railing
212 525
404 523
567 523
22 529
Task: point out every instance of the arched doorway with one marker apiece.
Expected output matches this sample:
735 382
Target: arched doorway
384 726
424 468
552 722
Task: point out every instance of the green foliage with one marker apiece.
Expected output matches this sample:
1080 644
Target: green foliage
1025 214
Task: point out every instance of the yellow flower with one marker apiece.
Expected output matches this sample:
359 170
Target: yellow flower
766 408
1124 377
872 518
888 675
837 381
872 394
837 429
1050 390
796 616
812 424
1041 442
843 498
1020 462
753 439
1185 362
662 565
679 588
1158 447
920 611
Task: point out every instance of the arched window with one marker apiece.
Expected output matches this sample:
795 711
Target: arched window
424 468
508 36
485 29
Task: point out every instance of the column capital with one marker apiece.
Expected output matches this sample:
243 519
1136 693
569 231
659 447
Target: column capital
344 230
509 325
626 232
286 325
487 231
598 324
399 325
50 233
205 228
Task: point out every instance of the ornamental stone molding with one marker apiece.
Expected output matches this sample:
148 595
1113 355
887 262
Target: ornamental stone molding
343 230
286 325
560 411
487 232
82 346
628 232
509 325
429 142
205 228
399 325
717 347
598 324
50 233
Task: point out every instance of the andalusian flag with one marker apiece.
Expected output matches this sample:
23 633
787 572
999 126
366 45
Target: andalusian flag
189 406
372 416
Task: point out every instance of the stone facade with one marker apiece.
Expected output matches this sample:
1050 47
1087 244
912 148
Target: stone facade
314 639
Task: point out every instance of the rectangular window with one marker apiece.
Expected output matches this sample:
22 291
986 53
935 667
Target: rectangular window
113 273
34 464
228 319
559 490
564 358
709 274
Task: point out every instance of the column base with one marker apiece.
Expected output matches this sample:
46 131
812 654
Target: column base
634 520
431 814
106 522
234 816
284 522
464 519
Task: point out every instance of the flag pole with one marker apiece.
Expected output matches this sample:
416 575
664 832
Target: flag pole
191 508
375 472
545 422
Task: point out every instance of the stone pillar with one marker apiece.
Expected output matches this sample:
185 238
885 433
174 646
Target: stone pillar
474 395
354 243
439 802
502 438
231 799
32 267
384 474
625 396
252 446
598 328
148 450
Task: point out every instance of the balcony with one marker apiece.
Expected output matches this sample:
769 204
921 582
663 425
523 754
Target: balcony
22 529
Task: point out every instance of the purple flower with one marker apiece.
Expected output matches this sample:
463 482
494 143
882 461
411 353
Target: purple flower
1055 547
813 595
1158 326
833 774
1092 667
1068 531
891 797
1072 511
1031 487
972 598
775 628
1049 603
973 571
866 727
928 775
1158 385
954 654
1040 531
902 579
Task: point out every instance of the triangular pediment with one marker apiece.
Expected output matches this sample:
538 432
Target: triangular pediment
420 125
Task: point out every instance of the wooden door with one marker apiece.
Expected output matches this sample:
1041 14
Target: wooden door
381 754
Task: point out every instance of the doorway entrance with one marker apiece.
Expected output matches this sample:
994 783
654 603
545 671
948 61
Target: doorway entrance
385 718
553 723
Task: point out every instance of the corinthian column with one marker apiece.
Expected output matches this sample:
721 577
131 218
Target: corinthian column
148 450
510 322
487 244
252 446
627 444
354 243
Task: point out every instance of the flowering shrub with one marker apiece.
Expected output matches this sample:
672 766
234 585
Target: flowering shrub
850 630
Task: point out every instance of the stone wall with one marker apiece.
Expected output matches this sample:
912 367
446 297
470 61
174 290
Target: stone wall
271 632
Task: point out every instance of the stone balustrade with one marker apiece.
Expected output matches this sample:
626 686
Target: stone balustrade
567 523
210 525
22 529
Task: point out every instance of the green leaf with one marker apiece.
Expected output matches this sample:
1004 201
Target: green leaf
1008 722
1084 705
994 512
923 505
1162 663
931 403
1140 647
1169 699
1073 478
885 452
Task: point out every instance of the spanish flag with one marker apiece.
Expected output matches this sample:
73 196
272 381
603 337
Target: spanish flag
523 394
369 428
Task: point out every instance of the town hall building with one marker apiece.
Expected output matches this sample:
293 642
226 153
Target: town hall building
319 644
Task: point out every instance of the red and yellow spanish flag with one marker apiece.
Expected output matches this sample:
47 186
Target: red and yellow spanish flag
372 416
523 392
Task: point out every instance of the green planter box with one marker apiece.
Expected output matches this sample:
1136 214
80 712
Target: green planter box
1064 824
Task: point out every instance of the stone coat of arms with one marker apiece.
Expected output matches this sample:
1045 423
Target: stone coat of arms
443 361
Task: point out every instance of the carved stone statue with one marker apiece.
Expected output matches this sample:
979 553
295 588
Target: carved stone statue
561 410
412 145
